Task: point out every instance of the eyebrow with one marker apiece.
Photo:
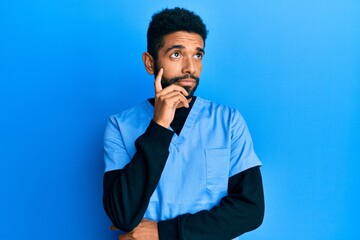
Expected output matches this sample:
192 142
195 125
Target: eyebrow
200 50
182 47
174 47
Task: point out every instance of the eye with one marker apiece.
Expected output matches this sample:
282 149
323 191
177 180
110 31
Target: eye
176 55
199 56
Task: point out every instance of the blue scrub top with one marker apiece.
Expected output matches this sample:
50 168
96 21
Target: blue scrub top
214 144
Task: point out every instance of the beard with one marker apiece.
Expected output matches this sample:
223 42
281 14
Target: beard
165 82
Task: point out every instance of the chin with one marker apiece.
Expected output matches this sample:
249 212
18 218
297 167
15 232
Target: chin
190 92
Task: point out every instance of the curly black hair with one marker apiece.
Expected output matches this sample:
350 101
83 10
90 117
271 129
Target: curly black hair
169 21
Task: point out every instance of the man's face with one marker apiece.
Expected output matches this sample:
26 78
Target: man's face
181 58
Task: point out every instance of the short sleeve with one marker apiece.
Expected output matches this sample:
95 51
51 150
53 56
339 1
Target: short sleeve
115 154
242 155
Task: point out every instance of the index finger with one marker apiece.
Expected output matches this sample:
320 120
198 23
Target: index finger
157 82
112 227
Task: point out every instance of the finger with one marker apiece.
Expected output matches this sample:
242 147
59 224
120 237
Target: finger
112 227
125 236
178 101
157 83
169 95
173 88
183 103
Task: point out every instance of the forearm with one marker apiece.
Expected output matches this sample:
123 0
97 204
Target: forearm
127 191
242 210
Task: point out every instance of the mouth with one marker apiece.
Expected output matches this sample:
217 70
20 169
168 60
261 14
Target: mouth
186 82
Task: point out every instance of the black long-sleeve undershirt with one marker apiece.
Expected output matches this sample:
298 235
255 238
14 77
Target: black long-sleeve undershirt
127 193
241 211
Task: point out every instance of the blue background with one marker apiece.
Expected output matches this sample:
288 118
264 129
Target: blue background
291 67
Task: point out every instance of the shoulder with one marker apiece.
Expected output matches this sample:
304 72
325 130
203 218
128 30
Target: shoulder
137 112
223 111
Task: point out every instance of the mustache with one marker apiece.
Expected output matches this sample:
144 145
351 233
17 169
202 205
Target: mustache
187 76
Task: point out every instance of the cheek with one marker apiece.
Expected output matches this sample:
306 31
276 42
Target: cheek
199 67
171 70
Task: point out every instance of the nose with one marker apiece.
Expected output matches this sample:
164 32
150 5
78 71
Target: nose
188 66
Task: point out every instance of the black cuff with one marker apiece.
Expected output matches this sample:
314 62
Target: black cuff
157 135
169 229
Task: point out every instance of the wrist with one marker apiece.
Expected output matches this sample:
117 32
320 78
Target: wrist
162 123
168 229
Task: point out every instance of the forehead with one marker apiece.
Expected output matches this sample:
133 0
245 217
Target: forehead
186 39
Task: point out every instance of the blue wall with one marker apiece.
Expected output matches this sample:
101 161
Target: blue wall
291 67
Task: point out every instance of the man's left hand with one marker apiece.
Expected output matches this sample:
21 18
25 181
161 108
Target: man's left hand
146 230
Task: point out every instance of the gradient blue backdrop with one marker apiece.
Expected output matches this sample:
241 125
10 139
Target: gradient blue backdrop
291 67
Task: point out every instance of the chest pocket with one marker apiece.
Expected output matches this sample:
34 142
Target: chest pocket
217 169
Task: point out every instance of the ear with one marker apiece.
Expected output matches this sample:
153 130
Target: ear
148 61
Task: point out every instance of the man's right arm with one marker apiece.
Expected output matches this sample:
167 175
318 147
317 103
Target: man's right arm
127 191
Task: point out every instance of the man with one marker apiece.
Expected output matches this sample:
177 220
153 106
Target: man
179 166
